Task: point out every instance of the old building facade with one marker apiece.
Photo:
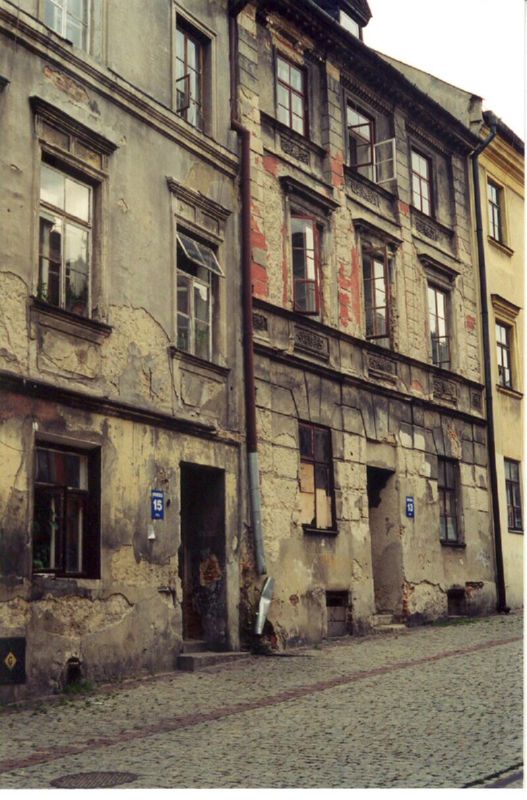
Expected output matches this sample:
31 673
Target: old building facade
502 178
120 367
371 429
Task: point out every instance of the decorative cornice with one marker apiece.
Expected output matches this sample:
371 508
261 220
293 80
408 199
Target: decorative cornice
365 227
41 390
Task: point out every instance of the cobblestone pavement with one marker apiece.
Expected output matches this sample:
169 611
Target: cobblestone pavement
438 706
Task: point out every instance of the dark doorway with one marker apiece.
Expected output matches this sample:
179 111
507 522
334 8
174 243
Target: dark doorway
386 555
202 554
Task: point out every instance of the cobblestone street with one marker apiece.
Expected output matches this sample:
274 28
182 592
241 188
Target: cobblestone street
438 706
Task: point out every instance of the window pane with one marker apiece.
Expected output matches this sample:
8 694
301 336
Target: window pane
53 15
297 105
201 302
51 186
183 294
77 199
307 477
77 9
183 333
306 441
322 445
75 511
76 270
323 497
307 494
202 338
76 33
296 79
46 529
283 70
50 260
298 124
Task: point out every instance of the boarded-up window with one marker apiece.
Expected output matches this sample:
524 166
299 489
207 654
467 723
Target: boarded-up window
316 477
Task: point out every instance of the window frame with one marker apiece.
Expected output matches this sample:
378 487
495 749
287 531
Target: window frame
194 281
512 507
452 491
495 211
290 89
189 32
504 352
91 494
376 254
67 221
317 232
434 287
327 465
63 5
427 180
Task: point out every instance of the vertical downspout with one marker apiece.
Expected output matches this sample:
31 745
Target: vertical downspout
491 442
248 358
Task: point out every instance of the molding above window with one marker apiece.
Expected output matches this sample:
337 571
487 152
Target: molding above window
194 198
296 188
504 308
368 229
190 359
59 119
437 272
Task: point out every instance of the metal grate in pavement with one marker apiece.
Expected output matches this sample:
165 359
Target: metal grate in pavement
93 780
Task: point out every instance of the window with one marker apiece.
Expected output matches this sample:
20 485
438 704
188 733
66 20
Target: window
305 243
349 24
68 18
421 183
448 493
376 295
189 76
512 488
65 228
503 343
494 194
66 512
291 95
197 267
316 478
374 160
438 322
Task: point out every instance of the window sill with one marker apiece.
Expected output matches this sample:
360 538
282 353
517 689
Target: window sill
197 361
500 246
352 174
509 392
51 316
300 138
320 531
454 545
517 531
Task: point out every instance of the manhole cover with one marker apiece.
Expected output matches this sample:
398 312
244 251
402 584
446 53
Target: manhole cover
93 780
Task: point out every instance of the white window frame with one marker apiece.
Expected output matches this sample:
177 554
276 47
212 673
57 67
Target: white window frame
63 6
382 161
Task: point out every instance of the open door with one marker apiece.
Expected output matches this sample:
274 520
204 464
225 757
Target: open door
202 554
386 555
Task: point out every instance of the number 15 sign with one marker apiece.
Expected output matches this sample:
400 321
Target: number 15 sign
157 504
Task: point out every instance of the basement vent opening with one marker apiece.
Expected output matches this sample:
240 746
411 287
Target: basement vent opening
456 602
73 671
337 603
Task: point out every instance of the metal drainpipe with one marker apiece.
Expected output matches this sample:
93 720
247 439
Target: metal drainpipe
491 443
248 359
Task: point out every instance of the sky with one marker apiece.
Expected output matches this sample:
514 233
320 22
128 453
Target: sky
478 45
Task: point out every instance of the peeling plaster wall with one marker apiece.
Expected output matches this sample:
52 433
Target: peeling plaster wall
121 624
385 407
117 383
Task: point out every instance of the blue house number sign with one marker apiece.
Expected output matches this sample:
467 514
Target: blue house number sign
158 504
410 509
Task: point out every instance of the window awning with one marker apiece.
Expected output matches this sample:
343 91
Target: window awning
200 254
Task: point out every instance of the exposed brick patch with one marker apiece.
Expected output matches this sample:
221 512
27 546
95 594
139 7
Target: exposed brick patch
404 208
470 322
189 720
337 170
271 165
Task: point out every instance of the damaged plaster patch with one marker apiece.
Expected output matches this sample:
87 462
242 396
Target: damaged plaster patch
13 321
77 616
68 86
